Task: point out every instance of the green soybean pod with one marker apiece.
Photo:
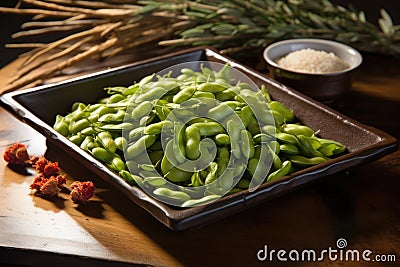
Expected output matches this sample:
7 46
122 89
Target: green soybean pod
297 129
142 110
113 117
227 94
209 128
285 170
234 133
196 180
183 95
277 163
86 142
121 142
117 164
140 146
197 202
253 126
193 137
166 166
134 134
105 110
61 125
246 114
171 194
155 181
304 161
177 175
102 154
156 128
306 147
220 111
79 125
89 131
152 94
289 149
106 140
286 138
130 178
127 126
222 160
180 142
262 138
212 171
278 118
211 87
247 145
222 139
116 98
282 109
77 139
200 94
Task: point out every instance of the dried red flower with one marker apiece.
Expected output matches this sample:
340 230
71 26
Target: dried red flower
82 191
50 187
38 182
40 164
16 154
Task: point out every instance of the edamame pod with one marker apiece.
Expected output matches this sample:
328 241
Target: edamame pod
286 168
171 194
304 161
140 146
197 202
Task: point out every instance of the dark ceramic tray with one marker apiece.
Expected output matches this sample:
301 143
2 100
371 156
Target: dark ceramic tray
364 143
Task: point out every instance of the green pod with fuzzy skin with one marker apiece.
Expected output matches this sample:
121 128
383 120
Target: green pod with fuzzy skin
164 192
130 178
234 133
284 170
61 125
193 137
102 154
211 87
209 128
222 139
77 126
201 201
306 162
177 175
282 109
289 149
117 164
221 111
140 146
183 95
107 141
297 129
141 110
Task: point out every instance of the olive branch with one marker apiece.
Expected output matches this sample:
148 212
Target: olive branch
104 29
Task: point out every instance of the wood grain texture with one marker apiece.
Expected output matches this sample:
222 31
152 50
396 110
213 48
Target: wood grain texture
360 205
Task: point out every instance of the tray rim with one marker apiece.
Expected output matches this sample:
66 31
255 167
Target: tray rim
187 218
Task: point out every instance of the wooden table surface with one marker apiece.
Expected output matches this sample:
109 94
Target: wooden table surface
360 205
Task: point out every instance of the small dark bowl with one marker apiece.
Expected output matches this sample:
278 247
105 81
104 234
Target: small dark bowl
325 87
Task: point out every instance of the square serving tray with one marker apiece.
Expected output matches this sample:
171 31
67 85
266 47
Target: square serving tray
364 143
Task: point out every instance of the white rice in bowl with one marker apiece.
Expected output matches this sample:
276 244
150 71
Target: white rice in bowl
312 61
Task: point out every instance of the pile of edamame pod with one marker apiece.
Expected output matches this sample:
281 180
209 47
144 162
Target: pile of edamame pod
192 137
